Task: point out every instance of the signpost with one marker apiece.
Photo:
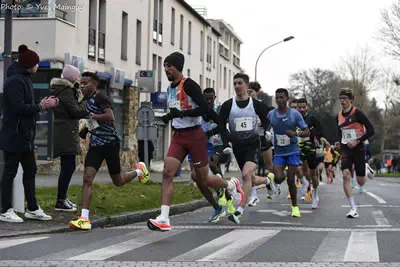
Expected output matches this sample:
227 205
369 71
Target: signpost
146 130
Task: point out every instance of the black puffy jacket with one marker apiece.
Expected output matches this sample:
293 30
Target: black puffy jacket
19 111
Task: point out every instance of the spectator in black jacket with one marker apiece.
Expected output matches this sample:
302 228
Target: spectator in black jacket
18 134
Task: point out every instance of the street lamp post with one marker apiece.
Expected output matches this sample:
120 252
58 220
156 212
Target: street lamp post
262 52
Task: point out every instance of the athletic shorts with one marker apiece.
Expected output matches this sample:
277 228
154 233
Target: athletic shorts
354 156
110 153
287 160
327 164
210 152
264 144
246 153
311 159
193 141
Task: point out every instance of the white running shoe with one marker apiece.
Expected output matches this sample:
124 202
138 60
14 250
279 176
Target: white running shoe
352 214
315 203
11 217
253 201
37 215
235 189
303 198
303 189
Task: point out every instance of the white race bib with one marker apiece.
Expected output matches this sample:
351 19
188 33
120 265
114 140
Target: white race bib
282 140
172 103
348 135
243 124
92 124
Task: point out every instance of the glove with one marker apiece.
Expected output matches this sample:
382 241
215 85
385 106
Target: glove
83 133
175 113
166 118
206 118
268 136
227 150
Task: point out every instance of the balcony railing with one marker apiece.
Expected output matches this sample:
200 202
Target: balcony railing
102 47
92 44
37 13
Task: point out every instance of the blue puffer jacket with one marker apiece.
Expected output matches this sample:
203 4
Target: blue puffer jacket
19 111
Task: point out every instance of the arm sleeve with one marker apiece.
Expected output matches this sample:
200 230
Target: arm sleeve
75 110
262 112
300 121
15 90
193 90
223 119
370 131
103 101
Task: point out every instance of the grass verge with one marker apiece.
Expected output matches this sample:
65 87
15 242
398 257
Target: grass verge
395 174
108 199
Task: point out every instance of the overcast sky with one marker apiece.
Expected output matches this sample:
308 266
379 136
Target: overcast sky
324 30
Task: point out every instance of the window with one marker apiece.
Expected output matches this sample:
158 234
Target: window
219 75
201 81
101 57
201 45
92 30
159 73
181 34
213 84
155 21
214 55
173 26
190 38
155 69
230 80
124 36
160 22
188 73
138 42
224 77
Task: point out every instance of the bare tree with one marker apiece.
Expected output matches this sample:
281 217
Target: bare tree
390 30
360 69
320 87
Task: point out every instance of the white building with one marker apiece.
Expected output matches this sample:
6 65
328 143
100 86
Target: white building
116 39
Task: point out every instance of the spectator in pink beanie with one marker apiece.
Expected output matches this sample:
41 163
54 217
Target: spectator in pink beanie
66 143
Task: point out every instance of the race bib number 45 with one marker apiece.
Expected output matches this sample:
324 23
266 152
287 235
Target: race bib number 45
348 135
282 140
243 124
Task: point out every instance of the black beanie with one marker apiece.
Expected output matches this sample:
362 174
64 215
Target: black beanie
176 59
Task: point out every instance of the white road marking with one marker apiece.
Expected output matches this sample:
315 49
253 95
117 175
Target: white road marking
117 249
282 223
373 206
380 218
6 243
228 247
378 198
372 226
362 247
332 248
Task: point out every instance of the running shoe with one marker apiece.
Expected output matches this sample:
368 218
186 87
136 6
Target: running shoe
145 172
361 189
253 201
272 188
64 205
219 212
308 196
236 191
235 217
315 203
296 211
352 214
80 224
159 224
298 184
230 207
303 190
222 201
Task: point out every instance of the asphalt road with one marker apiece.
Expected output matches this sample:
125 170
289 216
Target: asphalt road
267 236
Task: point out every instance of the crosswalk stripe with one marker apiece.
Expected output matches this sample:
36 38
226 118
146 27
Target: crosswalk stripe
332 248
380 218
117 249
6 243
362 246
229 247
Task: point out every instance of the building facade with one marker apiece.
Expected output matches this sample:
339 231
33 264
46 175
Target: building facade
116 39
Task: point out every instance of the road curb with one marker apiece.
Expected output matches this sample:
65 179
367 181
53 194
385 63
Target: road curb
117 220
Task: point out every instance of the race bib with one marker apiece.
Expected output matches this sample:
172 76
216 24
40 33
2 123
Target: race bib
215 140
282 140
243 124
319 152
348 135
92 124
172 103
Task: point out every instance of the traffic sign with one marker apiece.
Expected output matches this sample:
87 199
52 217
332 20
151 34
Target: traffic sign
145 115
145 81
